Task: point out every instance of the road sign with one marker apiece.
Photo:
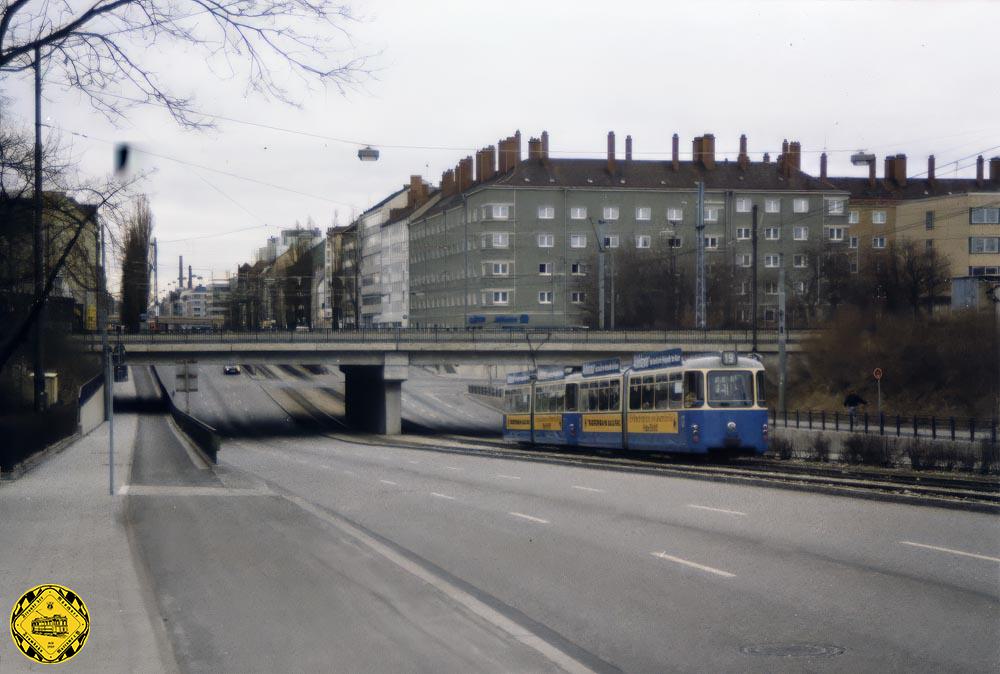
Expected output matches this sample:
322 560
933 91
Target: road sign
877 373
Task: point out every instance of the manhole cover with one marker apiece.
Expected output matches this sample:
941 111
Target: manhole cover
792 650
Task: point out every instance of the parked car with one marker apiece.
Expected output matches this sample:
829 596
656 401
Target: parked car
231 369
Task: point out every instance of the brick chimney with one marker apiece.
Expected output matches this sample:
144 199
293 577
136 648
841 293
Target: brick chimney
448 183
479 166
675 159
822 167
628 148
516 141
744 159
890 168
489 162
767 157
611 152
979 170
418 192
535 148
696 149
995 170
794 156
783 158
708 151
899 170
545 144
465 174
871 173
930 168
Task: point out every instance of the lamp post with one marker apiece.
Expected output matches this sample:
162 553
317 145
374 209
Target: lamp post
39 245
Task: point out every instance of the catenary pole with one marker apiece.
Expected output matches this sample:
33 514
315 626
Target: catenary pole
782 333
699 290
39 246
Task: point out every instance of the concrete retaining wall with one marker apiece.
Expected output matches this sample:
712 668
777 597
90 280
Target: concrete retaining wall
92 411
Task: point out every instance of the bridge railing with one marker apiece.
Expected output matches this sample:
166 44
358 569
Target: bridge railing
969 429
535 336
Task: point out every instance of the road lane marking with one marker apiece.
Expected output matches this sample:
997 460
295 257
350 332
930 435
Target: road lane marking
395 484
717 510
413 461
598 491
450 498
349 472
693 565
954 552
453 468
539 520
507 477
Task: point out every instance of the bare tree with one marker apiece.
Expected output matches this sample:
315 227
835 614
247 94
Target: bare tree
99 48
135 263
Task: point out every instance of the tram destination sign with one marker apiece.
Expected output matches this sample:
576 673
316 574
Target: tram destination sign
595 368
550 372
515 378
650 359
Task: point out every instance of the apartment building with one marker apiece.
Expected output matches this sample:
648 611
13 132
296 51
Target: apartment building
372 240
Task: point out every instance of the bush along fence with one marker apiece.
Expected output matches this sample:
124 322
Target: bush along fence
968 429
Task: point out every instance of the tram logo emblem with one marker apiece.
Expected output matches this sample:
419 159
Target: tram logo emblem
49 623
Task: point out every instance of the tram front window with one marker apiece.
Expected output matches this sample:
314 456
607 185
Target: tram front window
694 389
730 388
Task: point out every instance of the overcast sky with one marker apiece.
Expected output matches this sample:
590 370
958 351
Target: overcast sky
913 77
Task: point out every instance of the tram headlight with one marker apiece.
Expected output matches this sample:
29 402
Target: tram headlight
731 426
764 431
694 433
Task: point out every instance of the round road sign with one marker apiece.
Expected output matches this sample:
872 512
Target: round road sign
877 373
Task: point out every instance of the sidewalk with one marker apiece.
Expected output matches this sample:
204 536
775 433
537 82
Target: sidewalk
59 524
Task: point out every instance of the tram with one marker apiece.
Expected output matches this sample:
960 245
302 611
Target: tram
662 402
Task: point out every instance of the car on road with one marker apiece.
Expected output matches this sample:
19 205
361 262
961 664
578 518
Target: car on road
231 369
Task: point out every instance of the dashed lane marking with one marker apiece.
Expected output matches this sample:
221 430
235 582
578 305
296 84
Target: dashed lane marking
507 477
539 520
439 495
954 552
395 484
693 565
453 468
593 489
717 510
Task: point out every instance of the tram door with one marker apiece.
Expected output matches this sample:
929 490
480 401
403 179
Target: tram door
572 419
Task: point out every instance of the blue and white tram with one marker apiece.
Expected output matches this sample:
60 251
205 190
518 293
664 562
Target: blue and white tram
704 404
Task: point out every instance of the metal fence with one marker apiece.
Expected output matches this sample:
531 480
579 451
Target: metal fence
489 391
968 429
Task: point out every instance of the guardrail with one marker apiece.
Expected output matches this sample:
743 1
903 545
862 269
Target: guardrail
968 429
204 436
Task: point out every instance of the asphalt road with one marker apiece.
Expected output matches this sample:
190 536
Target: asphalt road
603 568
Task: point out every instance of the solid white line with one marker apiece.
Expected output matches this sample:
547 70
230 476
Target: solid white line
508 477
694 565
954 552
599 491
395 484
529 518
450 498
717 510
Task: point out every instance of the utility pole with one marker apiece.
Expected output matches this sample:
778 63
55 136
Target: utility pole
156 278
699 282
753 282
782 332
600 273
109 380
39 245
614 298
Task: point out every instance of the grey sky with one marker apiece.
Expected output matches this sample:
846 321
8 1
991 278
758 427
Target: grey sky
918 78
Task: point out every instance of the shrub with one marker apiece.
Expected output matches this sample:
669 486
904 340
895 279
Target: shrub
918 452
782 447
820 450
989 457
870 450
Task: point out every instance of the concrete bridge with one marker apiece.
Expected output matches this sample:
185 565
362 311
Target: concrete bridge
376 362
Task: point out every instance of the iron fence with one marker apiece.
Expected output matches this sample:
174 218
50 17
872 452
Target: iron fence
968 429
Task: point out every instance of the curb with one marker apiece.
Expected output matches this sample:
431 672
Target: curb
38 457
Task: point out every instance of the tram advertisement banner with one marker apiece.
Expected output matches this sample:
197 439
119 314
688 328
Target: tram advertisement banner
550 372
652 422
602 423
595 368
515 378
651 359
548 422
518 422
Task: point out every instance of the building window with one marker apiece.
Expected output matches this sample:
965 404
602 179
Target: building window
772 261
878 242
742 233
545 268
610 212
770 315
610 241
546 212
772 233
929 220
578 241
578 269
853 242
643 213
674 242
854 266
799 261
800 287
800 233
984 244
643 241
853 218
501 268
800 205
744 260
578 297
984 271
501 240
742 205
675 214
772 205
712 213
878 217
546 240
929 244
496 212
836 233
835 206
770 287
984 216
711 243
501 297
744 287
578 213
545 297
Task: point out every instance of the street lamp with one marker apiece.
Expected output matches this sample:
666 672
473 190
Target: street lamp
368 153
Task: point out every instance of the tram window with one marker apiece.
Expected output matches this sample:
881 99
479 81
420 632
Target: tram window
694 389
614 395
603 396
662 392
571 397
558 398
592 397
730 388
647 392
635 393
676 391
761 398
